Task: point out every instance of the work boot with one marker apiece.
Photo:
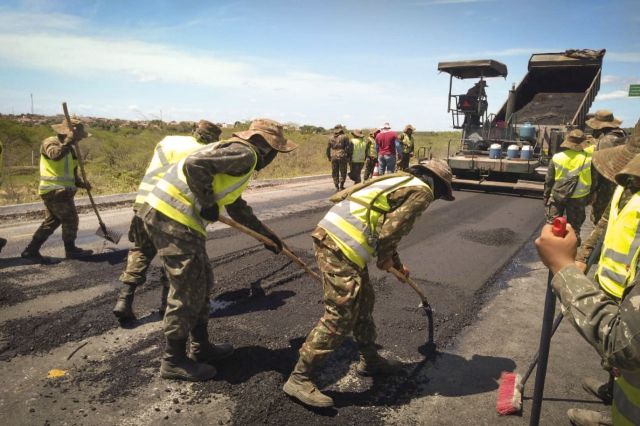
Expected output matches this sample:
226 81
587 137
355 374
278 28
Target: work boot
203 351
3 243
341 186
176 365
73 252
599 389
372 364
124 305
32 252
163 299
300 387
579 417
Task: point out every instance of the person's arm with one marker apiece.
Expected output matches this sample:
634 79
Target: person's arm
407 205
234 159
612 328
329 150
54 150
242 213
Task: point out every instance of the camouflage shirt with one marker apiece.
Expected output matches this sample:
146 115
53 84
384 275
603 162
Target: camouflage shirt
611 327
407 204
339 147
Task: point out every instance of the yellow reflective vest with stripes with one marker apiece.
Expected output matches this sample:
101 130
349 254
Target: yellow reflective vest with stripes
570 163
57 174
172 196
168 151
354 223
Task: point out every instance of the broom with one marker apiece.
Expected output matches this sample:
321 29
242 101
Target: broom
512 385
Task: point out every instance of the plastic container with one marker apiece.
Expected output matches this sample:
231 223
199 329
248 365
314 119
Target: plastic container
526 152
527 132
495 151
513 152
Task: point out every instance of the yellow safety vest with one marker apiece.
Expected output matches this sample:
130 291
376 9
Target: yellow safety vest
372 147
570 163
57 174
172 196
407 143
353 223
626 399
621 246
359 147
590 149
168 151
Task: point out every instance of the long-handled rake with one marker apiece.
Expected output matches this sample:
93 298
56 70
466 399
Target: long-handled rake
103 231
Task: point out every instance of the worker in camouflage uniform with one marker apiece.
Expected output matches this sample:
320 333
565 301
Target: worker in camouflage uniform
3 242
339 154
372 155
606 313
358 155
568 182
168 151
406 140
607 132
59 182
175 214
368 220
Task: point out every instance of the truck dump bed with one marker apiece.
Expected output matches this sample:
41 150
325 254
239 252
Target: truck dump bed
558 89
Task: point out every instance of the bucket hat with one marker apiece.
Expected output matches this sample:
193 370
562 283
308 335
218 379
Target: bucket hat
357 133
442 170
207 130
602 119
271 131
337 129
409 127
575 140
386 126
610 161
78 128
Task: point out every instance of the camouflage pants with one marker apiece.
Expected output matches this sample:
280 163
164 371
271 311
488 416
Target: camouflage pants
190 281
339 171
369 165
61 210
355 172
573 209
602 199
140 255
348 301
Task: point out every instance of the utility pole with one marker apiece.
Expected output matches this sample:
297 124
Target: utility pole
31 103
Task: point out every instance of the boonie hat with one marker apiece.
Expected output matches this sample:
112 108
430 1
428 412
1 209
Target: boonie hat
78 128
611 161
337 129
602 119
207 130
357 133
271 131
442 170
409 127
575 140
386 126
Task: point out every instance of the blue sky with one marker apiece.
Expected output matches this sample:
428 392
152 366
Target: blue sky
358 63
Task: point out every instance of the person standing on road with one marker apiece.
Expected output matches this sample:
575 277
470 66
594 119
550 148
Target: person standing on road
568 181
59 182
372 155
368 221
386 142
406 140
358 155
608 134
175 213
339 154
168 151
606 314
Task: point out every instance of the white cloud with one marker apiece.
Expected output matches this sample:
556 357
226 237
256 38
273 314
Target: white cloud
609 79
616 94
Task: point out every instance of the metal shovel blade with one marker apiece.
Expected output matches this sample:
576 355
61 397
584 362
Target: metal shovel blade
109 234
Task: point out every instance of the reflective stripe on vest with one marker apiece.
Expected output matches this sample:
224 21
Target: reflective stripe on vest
168 151
621 246
626 399
172 196
574 163
353 223
359 148
57 174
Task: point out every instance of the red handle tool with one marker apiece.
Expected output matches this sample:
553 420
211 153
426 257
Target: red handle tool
559 226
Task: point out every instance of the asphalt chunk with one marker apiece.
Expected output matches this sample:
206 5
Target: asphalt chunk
490 237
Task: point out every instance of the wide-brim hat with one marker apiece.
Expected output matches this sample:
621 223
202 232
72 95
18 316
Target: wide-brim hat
386 126
78 128
357 133
575 140
271 131
337 129
442 170
409 127
611 161
603 119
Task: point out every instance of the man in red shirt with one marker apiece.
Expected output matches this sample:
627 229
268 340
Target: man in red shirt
386 142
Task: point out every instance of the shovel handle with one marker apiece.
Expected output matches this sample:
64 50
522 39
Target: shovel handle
405 279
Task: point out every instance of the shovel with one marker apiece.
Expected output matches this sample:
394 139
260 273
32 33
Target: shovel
103 231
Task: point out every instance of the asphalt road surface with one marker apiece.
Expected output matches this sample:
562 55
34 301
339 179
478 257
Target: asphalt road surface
59 317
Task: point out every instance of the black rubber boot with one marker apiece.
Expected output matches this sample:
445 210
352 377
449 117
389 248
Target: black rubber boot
300 387
372 364
124 305
177 366
203 351
73 252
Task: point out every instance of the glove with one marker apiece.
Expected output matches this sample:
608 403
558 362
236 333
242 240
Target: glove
85 185
210 213
279 245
